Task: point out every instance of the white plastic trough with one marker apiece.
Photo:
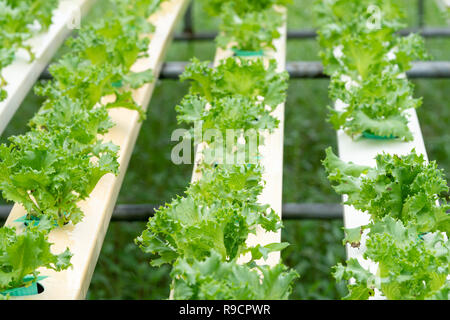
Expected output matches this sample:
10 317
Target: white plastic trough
363 152
444 5
271 155
86 238
22 74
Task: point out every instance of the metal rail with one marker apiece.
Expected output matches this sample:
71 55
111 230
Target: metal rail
421 13
313 70
291 211
426 32
188 28
189 33
296 69
420 69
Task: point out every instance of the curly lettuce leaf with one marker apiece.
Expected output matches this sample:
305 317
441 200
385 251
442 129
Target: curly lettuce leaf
22 254
213 279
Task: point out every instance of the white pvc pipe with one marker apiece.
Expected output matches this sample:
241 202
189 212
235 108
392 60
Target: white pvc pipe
22 74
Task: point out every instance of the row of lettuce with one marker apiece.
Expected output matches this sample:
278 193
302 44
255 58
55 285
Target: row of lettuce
367 61
203 233
407 236
251 25
19 21
59 161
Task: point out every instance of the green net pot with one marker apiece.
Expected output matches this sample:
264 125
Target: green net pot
34 221
370 135
32 289
117 84
247 53
26 220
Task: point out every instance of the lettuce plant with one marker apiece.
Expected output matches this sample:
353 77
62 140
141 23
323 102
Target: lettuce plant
367 64
16 20
22 254
408 232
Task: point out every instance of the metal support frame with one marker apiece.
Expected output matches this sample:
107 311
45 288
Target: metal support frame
296 69
190 34
310 69
188 20
419 70
291 211
421 13
313 70
428 32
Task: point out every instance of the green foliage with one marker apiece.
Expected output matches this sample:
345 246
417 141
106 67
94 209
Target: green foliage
215 7
367 63
122 271
376 105
22 254
224 114
238 76
212 278
254 31
249 25
315 245
16 20
219 211
48 173
405 188
411 265
408 235
238 94
60 160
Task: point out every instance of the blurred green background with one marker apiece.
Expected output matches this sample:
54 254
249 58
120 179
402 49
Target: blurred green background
123 271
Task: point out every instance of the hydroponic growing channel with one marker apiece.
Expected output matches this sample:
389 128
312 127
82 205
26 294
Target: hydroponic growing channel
222 236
